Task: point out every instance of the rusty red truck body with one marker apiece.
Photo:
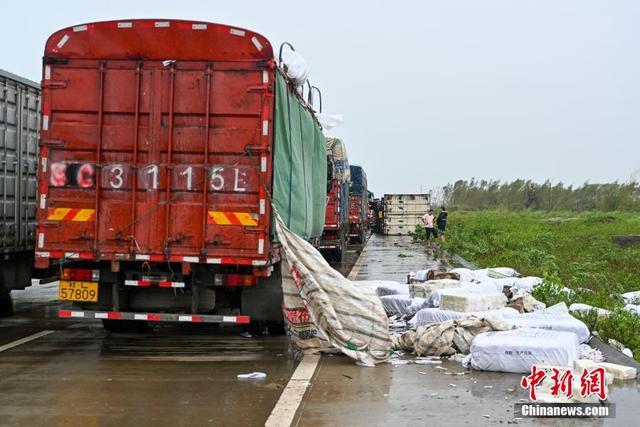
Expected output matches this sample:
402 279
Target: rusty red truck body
336 228
156 168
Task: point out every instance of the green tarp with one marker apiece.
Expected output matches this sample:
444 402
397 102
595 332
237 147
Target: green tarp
300 165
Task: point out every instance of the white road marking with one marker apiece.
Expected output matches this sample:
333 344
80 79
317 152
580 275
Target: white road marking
285 410
356 267
25 340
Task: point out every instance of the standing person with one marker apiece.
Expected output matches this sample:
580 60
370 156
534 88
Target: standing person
442 221
427 220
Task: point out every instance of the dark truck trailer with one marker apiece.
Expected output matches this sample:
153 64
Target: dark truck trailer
358 205
336 227
19 126
162 143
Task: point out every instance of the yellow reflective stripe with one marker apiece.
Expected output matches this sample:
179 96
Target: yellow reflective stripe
58 214
245 218
219 218
83 215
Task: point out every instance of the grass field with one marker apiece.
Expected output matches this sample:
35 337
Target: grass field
567 249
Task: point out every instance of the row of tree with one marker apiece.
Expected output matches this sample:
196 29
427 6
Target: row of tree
521 194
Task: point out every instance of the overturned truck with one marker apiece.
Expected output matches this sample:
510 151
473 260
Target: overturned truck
164 145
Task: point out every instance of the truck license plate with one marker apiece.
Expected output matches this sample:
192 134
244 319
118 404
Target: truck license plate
70 290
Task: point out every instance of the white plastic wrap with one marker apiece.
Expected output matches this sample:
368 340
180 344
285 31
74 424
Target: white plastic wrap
437 315
385 287
296 67
631 297
461 302
395 305
516 350
426 289
526 284
586 308
633 309
551 321
421 275
416 305
466 275
329 121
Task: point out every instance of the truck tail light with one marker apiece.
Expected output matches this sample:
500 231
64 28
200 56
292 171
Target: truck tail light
235 280
81 274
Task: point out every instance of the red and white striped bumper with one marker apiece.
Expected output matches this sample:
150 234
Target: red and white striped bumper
153 317
148 283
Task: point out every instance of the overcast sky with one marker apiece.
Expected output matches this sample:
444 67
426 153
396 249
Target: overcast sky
431 91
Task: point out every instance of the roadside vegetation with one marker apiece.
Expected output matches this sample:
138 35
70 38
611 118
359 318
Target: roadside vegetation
568 249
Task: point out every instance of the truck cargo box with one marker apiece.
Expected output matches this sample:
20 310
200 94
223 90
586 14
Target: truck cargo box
358 204
164 141
403 212
19 126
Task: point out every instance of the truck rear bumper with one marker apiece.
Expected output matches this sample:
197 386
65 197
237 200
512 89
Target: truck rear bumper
152 317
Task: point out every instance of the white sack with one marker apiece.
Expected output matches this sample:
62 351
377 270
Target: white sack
633 309
417 304
296 67
586 308
516 350
437 315
631 297
526 284
549 321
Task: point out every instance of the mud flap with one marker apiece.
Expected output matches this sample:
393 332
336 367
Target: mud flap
264 301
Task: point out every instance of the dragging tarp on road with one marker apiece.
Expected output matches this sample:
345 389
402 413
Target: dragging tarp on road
324 310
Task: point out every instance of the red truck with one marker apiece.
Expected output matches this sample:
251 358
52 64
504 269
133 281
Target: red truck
358 205
336 228
162 144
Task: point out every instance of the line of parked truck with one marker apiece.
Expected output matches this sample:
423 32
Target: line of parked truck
144 172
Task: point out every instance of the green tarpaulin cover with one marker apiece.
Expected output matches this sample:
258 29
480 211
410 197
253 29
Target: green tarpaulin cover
300 165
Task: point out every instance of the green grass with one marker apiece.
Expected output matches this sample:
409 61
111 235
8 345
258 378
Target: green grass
567 249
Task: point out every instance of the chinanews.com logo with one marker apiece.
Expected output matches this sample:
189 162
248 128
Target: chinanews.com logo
576 397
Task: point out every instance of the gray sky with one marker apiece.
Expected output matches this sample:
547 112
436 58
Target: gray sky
431 91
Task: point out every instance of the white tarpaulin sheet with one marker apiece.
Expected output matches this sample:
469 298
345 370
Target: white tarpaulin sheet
324 310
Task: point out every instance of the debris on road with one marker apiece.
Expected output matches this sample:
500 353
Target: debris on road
252 376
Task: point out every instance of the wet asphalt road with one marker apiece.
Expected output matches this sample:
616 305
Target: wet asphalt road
185 375
182 375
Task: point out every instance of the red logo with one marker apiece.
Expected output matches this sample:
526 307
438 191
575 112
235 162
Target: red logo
591 382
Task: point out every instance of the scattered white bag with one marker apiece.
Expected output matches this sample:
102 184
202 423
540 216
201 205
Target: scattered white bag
633 309
466 274
395 305
499 272
252 376
526 284
560 322
631 297
437 315
560 307
516 350
421 275
586 308
385 287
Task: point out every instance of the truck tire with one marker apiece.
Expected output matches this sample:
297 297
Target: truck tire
126 326
6 305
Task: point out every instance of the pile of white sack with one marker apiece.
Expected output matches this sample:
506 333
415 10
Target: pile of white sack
530 332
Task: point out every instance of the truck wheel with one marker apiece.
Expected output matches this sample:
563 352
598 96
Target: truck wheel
126 326
6 306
